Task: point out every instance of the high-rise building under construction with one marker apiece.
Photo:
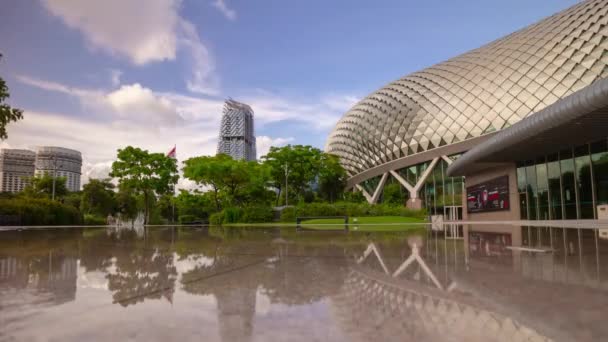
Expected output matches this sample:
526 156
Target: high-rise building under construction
237 137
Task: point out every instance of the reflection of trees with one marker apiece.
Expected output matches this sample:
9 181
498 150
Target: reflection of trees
142 270
142 273
139 265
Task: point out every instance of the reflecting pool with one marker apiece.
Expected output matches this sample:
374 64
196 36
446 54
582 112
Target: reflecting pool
450 283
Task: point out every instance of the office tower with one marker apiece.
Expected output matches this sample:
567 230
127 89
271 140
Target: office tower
60 162
16 166
237 137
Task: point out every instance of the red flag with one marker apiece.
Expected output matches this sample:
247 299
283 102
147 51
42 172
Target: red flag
172 153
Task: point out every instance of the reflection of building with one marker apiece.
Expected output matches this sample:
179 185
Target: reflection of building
237 136
52 277
62 162
410 131
519 293
16 166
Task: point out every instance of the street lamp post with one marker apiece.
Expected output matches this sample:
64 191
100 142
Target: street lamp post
54 176
286 175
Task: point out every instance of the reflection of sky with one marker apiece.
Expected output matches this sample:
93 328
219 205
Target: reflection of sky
190 263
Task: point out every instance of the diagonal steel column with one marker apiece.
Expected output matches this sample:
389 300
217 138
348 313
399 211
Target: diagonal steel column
379 188
367 196
447 160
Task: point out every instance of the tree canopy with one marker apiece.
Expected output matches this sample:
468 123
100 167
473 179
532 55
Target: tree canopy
224 175
42 186
98 197
7 113
145 173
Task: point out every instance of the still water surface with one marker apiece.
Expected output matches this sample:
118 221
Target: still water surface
464 283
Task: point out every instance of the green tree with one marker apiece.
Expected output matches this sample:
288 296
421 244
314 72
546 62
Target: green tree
42 186
165 207
73 199
223 175
393 194
126 205
196 204
332 177
207 171
7 113
302 163
148 174
98 198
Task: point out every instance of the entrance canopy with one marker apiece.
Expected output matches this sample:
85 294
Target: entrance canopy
577 119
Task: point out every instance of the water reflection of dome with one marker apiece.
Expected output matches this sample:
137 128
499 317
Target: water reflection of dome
370 306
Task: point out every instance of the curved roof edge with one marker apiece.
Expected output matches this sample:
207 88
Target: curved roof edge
578 104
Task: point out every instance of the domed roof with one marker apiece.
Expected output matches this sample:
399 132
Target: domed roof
478 92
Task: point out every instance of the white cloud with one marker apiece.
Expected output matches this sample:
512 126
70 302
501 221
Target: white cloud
115 76
264 142
321 115
222 7
136 101
203 79
142 31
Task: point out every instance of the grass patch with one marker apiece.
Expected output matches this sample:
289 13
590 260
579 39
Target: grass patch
366 220
367 224
362 224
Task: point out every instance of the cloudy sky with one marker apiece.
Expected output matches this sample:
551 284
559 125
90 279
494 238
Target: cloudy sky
99 75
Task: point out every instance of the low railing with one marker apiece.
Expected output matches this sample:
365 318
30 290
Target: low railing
304 218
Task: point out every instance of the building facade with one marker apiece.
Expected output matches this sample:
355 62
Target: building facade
237 134
16 167
60 162
411 131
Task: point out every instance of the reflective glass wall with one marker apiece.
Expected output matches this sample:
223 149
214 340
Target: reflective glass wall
564 185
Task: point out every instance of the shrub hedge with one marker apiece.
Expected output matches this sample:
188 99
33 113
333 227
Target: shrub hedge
186 218
216 218
257 214
93 220
35 211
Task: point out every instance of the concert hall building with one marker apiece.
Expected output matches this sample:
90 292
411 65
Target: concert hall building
516 129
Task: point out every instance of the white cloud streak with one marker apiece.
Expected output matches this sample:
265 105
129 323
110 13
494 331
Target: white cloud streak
221 6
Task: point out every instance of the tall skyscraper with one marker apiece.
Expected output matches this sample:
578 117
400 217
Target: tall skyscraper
16 166
61 162
237 137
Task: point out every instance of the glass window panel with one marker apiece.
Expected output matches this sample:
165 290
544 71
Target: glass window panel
583 182
449 190
532 189
521 179
568 191
458 190
543 205
430 194
555 198
523 204
439 187
599 158
541 176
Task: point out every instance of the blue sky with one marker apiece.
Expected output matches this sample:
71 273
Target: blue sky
99 75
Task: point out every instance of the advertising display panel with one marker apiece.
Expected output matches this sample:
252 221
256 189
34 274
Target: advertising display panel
492 195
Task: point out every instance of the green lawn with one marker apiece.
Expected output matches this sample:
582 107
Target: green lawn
366 220
367 224
364 224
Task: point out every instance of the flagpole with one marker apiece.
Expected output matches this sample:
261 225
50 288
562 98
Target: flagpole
173 199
